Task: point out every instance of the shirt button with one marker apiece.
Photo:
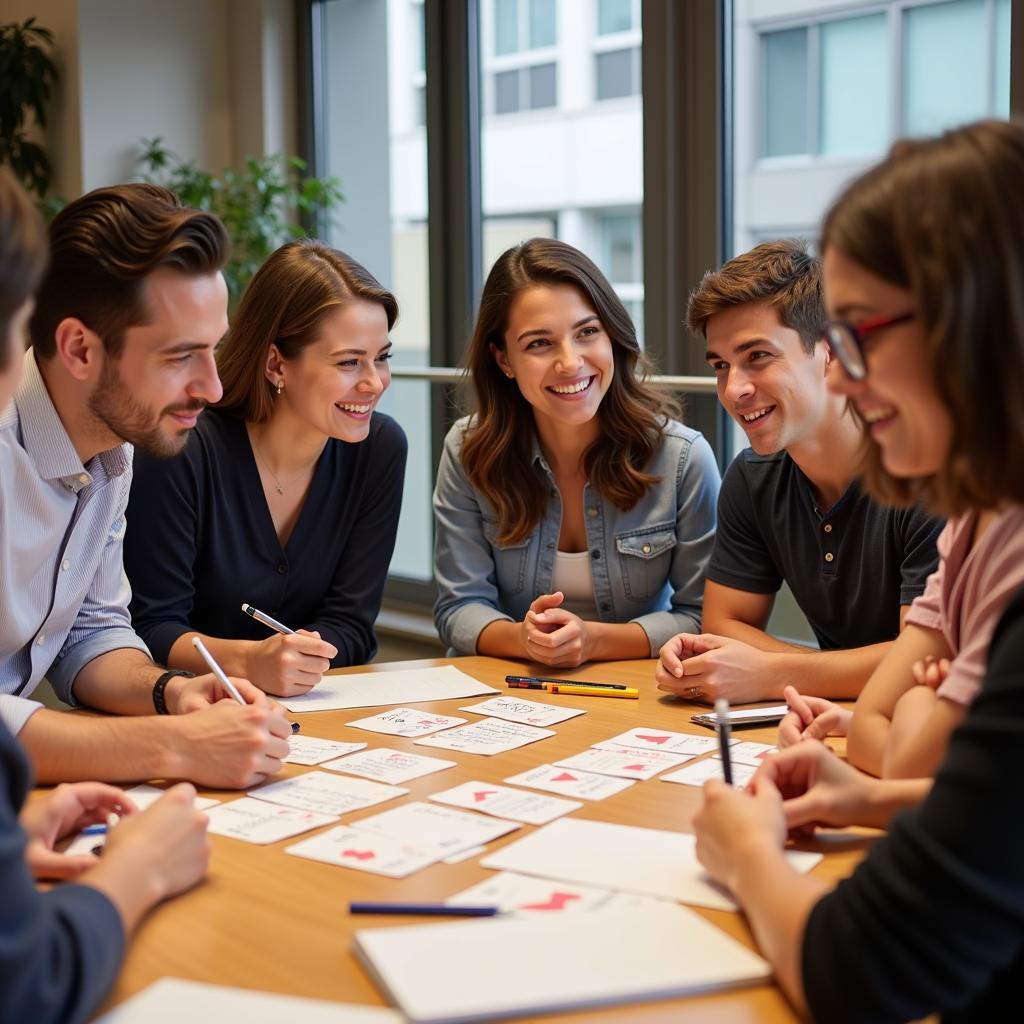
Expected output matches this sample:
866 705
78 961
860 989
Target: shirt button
282 569
40 639
646 549
550 545
595 555
84 478
605 606
829 557
827 527
591 511
65 565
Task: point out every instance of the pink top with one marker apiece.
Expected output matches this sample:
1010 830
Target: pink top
967 594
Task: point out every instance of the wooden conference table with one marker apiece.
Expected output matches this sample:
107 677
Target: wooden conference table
269 921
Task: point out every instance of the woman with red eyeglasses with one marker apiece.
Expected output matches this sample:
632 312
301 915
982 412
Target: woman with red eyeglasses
924 273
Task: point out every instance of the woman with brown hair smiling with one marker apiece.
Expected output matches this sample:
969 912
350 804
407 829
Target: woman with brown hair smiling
575 516
288 492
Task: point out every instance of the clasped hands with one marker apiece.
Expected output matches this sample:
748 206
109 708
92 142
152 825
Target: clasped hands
555 636
705 667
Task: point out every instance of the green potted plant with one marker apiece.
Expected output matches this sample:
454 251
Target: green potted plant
28 75
261 205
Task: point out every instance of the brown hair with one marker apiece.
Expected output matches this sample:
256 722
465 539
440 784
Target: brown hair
22 253
497 449
782 272
938 218
104 245
283 305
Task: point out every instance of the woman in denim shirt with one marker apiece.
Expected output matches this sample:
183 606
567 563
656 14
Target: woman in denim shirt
575 517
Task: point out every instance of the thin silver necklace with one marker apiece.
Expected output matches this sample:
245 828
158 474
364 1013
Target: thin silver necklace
278 486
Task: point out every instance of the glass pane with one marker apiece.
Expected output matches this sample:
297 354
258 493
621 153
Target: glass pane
542 23
506 26
855 93
1001 71
945 57
421 37
784 109
615 74
543 86
614 16
566 165
506 92
383 223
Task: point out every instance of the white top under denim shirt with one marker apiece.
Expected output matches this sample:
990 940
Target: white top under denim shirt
647 564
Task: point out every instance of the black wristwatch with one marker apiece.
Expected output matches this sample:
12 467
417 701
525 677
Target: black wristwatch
161 684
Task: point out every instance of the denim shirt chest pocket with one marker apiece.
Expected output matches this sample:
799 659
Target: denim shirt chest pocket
645 558
509 559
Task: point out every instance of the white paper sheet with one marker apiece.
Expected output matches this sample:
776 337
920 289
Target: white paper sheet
377 689
503 802
440 829
644 860
391 766
326 793
309 750
172 1001
486 736
528 712
256 821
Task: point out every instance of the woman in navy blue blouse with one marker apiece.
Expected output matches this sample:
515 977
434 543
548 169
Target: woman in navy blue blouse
287 494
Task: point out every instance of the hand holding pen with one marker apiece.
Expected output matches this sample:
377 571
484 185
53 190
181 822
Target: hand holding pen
290 662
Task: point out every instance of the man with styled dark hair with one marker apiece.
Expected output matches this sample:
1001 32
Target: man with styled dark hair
790 508
126 322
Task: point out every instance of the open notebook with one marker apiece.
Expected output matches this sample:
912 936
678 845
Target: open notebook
636 950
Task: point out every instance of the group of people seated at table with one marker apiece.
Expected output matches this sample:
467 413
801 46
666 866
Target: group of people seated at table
160 467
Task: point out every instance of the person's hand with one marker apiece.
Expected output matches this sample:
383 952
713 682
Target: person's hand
554 636
184 695
231 746
164 850
733 823
811 718
930 671
705 667
818 788
289 665
64 812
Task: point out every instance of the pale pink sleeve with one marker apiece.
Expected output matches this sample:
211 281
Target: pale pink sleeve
989 593
926 608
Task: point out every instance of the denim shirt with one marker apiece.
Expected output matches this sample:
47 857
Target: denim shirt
647 564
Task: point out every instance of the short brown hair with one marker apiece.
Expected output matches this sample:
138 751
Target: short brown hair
937 217
285 302
496 452
22 253
104 245
782 272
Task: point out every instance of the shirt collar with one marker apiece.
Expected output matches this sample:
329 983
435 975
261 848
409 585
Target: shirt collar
46 441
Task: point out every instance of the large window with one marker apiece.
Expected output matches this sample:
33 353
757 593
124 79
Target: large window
523 60
822 88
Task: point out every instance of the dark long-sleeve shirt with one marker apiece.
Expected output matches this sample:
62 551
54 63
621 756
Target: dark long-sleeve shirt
200 540
60 951
933 920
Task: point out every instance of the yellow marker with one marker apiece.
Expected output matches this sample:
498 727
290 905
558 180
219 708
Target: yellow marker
630 692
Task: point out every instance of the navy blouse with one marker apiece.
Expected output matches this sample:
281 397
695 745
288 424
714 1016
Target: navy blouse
200 540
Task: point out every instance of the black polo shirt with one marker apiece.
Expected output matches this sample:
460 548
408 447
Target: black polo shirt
849 567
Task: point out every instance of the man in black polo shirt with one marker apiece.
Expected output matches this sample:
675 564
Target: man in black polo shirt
790 508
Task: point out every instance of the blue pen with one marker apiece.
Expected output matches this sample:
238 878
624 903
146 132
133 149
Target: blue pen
423 909
94 830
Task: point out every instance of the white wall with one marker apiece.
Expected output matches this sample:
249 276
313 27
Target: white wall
214 78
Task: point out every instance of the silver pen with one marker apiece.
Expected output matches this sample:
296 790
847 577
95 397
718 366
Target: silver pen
270 623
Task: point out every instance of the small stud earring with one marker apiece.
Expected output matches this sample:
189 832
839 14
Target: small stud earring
280 386
510 374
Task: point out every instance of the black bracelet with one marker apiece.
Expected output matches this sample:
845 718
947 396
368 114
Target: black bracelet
161 684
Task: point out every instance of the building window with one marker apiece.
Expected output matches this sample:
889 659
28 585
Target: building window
617 49
524 75
620 255
828 86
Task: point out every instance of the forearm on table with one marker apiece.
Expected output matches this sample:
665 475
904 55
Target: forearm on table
119 682
618 641
501 639
67 747
777 902
231 655
888 797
